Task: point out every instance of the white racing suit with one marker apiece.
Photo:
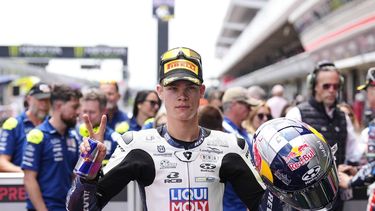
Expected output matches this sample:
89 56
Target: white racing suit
174 176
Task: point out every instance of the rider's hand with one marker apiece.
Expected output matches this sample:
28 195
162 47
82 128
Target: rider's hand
99 136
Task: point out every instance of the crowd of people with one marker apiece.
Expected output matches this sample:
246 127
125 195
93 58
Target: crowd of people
174 143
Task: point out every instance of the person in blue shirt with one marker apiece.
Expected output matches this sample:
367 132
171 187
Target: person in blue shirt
93 104
116 119
158 120
51 152
146 106
236 106
14 130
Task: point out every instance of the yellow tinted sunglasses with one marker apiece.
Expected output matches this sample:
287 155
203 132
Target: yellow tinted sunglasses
176 52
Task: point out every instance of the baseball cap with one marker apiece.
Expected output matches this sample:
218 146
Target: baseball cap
370 79
40 91
239 94
180 64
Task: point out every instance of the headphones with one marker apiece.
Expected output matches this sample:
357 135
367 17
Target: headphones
323 65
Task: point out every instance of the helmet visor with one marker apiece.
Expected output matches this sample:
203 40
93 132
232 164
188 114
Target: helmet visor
320 195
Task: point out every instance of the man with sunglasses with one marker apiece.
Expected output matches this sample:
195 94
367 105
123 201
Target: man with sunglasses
322 113
180 165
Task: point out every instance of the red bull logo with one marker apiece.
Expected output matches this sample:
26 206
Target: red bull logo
188 199
299 156
295 153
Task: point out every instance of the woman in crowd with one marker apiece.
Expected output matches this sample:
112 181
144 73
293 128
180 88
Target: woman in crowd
257 116
146 105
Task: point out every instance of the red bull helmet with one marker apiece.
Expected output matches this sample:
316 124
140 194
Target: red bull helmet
296 164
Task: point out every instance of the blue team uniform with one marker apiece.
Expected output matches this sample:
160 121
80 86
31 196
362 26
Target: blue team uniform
13 137
133 125
231 201
53 156
149 123
119 122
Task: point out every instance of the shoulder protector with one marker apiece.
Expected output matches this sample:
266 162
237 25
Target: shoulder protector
122 127
84 132
10 123
127 137
35 136
149 120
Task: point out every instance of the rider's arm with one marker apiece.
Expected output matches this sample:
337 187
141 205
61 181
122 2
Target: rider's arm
125 165
237 169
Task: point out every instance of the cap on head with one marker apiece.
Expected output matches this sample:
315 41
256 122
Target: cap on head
239 94
40 91
370 79
180 64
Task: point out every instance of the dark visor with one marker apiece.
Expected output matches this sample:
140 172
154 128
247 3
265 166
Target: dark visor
320 195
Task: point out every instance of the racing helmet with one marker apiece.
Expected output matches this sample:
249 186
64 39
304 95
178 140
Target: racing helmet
296 164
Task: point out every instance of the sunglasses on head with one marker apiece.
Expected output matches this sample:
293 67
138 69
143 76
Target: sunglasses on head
262 115
176 52
328 86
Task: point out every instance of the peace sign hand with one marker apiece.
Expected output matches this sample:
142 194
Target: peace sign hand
98 136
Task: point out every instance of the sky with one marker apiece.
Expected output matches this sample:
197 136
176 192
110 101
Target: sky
117 23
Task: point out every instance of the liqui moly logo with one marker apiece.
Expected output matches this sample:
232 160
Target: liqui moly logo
188 199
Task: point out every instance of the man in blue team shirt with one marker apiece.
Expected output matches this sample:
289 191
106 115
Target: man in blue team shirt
116 119
93 104
14 130
51 153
